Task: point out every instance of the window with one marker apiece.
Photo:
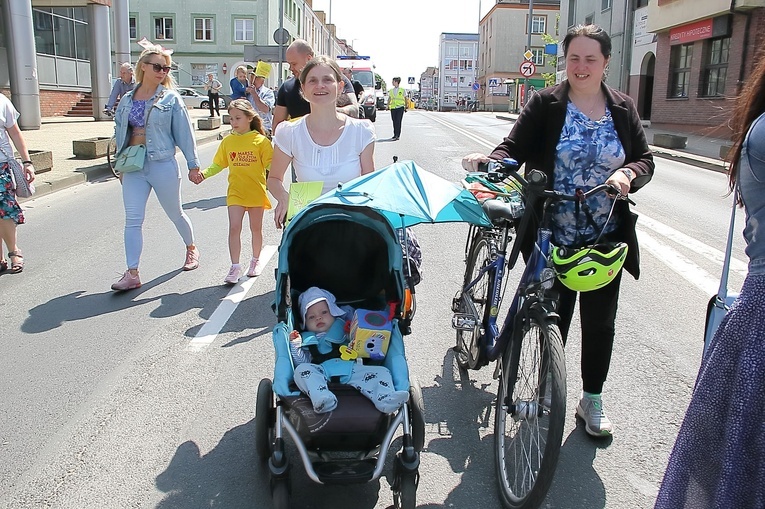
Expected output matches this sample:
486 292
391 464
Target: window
571 12
133 27
244 30
715 67
538 24
680 70
539 56
605 5
641 3
163 28
203 29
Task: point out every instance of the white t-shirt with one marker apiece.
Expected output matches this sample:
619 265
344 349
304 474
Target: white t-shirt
8 117
339 162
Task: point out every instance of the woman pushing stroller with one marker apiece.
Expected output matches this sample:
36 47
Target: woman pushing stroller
326 342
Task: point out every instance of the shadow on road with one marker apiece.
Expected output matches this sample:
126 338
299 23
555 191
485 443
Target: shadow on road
229 476
206 204
80 306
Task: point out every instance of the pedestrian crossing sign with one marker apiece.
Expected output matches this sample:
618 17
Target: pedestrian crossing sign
493 82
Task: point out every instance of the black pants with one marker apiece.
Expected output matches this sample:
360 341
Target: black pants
397 115
597 314
212 99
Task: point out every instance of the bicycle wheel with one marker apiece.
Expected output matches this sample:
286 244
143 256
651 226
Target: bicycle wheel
111 152
467 352
530 414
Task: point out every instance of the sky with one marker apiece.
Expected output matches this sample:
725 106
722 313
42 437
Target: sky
401 36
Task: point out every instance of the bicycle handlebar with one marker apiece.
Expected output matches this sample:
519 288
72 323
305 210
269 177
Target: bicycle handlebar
497 171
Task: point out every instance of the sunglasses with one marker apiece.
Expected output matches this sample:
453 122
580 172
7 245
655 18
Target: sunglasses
161 68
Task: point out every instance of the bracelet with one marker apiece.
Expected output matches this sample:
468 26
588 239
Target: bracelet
27 162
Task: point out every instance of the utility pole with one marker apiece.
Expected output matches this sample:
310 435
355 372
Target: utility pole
528 48
281 42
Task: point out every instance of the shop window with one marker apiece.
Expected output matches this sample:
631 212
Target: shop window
203 29
715 67
680 70
163 28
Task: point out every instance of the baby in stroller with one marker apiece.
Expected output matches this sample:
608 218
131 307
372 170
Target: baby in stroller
325 342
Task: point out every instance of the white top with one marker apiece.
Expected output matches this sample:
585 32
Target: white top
339 162
8 117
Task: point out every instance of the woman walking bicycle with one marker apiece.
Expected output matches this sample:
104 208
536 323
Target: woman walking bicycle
581 134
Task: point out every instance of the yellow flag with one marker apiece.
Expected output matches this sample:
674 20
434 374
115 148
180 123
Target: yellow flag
263 69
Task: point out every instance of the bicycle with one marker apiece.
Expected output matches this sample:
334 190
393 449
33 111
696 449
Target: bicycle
111 150
531 368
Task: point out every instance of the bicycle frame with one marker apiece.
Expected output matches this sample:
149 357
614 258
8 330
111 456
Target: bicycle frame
494 341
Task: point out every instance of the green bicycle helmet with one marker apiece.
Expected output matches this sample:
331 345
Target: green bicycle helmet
589 268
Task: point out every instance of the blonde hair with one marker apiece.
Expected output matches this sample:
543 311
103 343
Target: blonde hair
243 105
240 68
169 80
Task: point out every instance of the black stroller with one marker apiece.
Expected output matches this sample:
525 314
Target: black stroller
354 253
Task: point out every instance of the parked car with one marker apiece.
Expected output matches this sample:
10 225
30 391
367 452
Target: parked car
193 99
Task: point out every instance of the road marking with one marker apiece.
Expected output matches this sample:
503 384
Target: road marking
226 308
462 131
708 252
691 272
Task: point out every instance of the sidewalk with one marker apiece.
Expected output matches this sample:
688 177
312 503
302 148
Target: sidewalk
57 133
701 151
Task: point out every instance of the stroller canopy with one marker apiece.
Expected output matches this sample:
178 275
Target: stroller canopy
351 251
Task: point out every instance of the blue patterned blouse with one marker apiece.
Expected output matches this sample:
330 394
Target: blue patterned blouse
137 117
588 152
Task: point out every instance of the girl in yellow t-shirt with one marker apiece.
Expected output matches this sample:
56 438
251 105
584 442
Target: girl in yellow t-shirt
247 153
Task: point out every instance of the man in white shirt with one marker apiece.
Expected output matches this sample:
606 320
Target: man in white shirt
263 100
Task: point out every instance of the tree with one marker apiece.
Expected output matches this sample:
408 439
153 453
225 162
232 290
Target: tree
380 81
551 60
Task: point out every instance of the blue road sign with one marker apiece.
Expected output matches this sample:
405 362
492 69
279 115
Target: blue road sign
476 86
493 82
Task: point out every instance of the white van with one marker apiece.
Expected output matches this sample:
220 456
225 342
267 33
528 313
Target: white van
363 72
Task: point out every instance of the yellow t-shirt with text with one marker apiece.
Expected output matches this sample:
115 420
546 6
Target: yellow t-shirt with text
247 156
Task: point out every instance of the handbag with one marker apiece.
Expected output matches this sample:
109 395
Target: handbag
130 159
21 186
720 304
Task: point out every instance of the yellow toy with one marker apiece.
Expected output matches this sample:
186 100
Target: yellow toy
370 334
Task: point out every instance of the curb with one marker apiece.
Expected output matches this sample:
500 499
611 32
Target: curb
97 171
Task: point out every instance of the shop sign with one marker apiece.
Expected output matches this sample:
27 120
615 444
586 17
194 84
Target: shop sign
704 29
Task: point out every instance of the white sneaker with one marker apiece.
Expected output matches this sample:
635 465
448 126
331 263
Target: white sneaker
256 268
234 272
590 410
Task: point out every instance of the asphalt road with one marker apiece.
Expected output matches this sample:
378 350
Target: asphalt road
103 405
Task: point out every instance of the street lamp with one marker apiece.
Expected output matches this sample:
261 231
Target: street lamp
511 99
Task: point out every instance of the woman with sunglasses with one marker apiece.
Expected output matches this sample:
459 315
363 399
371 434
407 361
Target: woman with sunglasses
154 115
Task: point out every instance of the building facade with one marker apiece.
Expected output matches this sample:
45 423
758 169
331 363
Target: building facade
457 69
56 53
706 50
503 40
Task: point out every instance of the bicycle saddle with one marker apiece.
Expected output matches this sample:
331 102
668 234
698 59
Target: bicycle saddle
499 211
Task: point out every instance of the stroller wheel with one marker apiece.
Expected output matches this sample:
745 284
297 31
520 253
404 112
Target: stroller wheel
265 419
417 415
404 486
280 493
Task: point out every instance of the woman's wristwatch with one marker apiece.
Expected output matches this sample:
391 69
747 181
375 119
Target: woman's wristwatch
628 172
27 162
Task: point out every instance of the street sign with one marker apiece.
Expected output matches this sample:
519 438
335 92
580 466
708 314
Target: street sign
528 69
493 82
411 80
476 86
254 52
281 36
528 54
